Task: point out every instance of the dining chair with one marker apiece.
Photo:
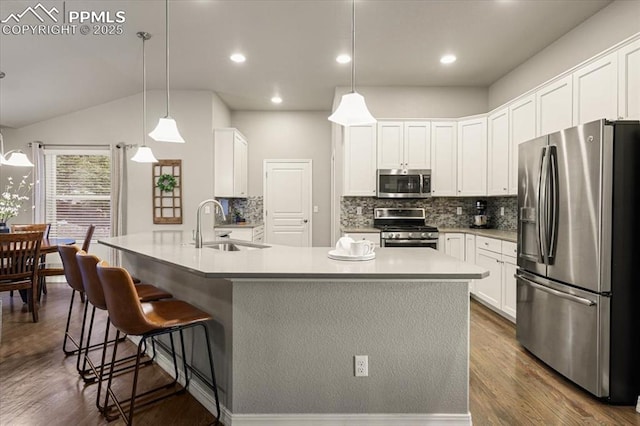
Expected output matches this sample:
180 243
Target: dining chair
149 320
19 254
34 227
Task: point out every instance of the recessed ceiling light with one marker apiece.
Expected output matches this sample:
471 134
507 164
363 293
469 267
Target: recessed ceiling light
343 59
448 59
276 100
238 58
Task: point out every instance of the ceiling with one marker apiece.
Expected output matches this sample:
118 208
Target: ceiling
290 47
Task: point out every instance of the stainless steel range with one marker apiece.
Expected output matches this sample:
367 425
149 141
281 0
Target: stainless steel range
405 228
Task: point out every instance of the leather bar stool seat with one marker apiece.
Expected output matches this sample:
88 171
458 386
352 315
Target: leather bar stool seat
148 320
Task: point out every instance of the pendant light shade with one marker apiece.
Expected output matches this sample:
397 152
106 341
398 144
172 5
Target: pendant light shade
352 110
16 159
167 129
144 154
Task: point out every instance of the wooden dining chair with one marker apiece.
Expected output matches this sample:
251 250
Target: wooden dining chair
45 271
19 255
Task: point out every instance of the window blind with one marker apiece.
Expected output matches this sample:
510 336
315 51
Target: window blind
78 192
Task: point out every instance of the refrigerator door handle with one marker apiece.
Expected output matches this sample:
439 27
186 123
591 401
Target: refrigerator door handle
553 197
560 294
541 207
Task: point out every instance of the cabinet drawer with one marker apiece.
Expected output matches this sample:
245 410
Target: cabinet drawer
489 244
509 248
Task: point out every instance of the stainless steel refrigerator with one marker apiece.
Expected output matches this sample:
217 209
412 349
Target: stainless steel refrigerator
578 279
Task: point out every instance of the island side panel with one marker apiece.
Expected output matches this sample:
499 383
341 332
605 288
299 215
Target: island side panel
213 296
294 342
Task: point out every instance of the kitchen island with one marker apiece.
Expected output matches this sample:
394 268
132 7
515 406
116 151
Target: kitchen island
289 321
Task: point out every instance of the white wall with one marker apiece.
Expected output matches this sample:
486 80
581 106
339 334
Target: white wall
291 135
120 121
614 23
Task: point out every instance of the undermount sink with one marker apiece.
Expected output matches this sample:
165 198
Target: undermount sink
233 245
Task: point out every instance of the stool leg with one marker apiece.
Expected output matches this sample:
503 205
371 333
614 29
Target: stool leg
84 371
102 362
108 391
66 329
184 360
213 374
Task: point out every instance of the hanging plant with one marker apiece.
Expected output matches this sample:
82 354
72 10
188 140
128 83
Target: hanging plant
166 182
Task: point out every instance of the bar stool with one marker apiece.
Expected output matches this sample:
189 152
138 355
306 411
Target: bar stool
86 265
147 320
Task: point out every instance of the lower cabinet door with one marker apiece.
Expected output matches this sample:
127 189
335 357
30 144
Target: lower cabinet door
489 289
509 288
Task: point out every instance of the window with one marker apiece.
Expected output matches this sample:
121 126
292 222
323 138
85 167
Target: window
78 192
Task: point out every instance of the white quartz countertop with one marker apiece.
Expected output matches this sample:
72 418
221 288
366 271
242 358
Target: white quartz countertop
491 233
360 230
175 248
239 225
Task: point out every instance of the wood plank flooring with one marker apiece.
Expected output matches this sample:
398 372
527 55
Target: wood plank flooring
508 386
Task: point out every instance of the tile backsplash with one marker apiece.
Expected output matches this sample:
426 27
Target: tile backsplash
250 208
440 211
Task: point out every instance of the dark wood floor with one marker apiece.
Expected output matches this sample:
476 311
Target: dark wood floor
38 385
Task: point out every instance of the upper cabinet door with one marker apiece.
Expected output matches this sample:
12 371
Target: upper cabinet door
472 157
417 144
555 102
391 145
595 91
522 127
498 157
629 81
443 158
360 161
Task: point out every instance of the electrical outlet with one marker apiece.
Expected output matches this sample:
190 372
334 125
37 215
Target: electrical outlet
361 365
501 211
359 210
459 210
315 209
207 209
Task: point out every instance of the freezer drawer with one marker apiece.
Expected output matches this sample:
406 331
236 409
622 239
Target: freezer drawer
566 328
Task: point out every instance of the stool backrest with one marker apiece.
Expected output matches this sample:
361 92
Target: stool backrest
87 238
87 265
70 266
125 310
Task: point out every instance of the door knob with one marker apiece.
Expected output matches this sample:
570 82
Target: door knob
305 220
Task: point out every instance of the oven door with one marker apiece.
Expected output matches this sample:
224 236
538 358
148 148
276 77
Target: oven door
411 243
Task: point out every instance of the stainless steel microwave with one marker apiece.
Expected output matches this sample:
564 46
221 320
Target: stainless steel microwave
404 183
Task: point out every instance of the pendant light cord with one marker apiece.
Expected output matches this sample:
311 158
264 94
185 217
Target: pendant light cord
353 45
144 93
167 49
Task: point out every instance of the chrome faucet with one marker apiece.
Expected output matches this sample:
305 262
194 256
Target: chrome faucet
198 236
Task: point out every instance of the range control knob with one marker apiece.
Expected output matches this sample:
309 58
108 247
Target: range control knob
424 235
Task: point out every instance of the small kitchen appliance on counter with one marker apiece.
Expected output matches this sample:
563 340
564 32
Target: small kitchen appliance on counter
404 228
480 218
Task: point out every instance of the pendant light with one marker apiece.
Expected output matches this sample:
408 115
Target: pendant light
144 154
167 129
352 110
15 157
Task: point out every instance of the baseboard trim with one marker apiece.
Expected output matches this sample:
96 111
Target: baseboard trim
351 419
201 393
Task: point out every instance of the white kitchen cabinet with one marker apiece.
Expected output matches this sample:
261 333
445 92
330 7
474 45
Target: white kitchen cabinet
253 234
230 163
555 106
441 243
443 158
522 127
470 255
499 288
371 236
360 161
489 289
454 245
509 268
595 90
472 157
404 144
498 164
629 81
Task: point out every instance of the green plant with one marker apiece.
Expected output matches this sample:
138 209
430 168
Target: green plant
166 182
11 200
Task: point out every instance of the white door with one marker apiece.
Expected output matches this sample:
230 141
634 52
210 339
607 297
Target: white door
454 245
489 289
498 157
472 157
390 145
522 127
443 159
417 144
360 161
287 202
